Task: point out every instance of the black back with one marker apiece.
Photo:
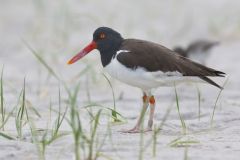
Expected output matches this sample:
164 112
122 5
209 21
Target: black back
154 57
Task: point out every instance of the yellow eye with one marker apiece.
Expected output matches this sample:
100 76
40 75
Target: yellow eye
102 36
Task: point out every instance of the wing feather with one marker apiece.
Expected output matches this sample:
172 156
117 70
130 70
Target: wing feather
154 57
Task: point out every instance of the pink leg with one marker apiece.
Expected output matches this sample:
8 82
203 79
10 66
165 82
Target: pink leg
136 128
152 109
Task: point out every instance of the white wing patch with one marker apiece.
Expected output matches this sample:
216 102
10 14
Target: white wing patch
122 51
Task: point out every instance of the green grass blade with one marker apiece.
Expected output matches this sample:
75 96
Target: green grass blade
159 127
20 113
178 142
178 109
93 133
199 103
12 111
114 115
44 63
35 111
40 59
215 104
2 99
6 136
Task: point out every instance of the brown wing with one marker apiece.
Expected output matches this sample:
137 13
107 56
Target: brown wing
154 57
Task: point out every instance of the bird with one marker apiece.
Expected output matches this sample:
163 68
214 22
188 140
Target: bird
197 50
146 65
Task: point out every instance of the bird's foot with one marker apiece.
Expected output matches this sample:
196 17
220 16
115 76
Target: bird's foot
136 130
148 129
133 130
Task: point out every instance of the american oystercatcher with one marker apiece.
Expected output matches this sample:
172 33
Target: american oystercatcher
197 51
145 65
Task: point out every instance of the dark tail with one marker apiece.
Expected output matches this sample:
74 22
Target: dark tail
219 74
212 82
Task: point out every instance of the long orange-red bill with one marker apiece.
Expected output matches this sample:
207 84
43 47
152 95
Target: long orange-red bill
83 52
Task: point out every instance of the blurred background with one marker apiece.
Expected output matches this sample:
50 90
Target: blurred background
58 29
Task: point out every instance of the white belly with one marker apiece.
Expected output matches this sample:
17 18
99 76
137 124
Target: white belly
142 79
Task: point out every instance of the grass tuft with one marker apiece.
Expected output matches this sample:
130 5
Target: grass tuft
7 136
92 138
156 131
184 129
180 142
199 103
114 112
215 104
2 101
19 119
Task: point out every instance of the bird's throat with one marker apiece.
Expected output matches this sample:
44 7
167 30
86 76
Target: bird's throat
106 57
109 52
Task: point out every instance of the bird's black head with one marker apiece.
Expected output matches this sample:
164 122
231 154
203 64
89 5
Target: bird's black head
106 40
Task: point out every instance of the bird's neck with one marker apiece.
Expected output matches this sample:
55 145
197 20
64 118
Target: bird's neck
108 53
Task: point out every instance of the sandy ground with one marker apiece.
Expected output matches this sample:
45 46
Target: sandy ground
58 29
